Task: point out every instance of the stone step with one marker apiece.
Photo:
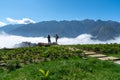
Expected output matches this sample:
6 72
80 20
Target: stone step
109 58
103 57
117 62
90 53
98 55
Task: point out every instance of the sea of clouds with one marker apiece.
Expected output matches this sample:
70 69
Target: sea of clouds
9 41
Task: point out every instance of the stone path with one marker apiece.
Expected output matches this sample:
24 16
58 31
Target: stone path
102 57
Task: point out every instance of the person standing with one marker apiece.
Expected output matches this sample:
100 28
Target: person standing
56 37
49 41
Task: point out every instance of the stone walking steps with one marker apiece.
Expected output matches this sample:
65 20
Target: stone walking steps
102 57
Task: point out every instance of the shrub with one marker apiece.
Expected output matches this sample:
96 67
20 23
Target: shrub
13 65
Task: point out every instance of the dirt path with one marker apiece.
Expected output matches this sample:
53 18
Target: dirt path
102 56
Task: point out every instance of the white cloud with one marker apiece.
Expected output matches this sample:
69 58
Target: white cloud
2 24
9 41
20 21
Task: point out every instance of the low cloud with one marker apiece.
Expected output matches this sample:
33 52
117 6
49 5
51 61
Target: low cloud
2 24
20 21
9 41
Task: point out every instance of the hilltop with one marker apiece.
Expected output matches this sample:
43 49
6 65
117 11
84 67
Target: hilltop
58 63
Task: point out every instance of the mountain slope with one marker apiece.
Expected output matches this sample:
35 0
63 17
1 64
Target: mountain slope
105 33
10 27
101 30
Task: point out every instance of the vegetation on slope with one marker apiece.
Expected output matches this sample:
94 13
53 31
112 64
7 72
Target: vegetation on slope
56 63
108 49
66 69
14 58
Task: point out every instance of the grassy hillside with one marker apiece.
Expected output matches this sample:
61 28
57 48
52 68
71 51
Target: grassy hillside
54 63
108 49
70 69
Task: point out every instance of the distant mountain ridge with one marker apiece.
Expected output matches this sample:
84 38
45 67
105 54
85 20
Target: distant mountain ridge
101 30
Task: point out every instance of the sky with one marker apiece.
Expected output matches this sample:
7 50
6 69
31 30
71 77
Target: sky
32 11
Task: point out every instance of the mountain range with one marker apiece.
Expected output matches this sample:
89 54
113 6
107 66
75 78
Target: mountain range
99 29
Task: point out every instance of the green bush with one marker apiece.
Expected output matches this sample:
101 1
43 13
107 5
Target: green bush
13 65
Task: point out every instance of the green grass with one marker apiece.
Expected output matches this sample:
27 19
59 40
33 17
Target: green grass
114 54
62 63
108 49
66 69
36 54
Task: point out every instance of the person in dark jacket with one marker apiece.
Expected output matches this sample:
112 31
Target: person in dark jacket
56 37
49 41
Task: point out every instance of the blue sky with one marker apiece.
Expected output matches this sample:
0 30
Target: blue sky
45 10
